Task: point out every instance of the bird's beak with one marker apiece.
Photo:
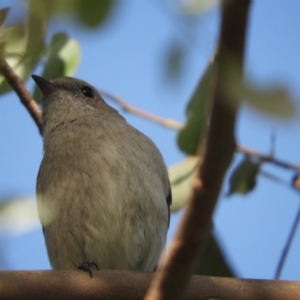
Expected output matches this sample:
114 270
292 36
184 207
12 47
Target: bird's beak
44 85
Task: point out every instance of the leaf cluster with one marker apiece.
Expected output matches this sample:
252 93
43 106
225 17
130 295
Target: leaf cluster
26 45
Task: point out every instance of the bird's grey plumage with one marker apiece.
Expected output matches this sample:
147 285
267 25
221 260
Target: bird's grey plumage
102 187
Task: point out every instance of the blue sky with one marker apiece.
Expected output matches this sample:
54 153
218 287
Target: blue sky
126 57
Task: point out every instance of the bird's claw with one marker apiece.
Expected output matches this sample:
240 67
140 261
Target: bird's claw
86 267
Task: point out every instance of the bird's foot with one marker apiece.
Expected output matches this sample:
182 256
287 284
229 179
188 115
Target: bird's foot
86 267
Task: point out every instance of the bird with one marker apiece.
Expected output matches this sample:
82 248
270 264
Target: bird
103 191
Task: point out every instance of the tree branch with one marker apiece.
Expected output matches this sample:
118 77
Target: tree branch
268 158
287 246
141 113
122 285
18 86
171 280
26 99
169 123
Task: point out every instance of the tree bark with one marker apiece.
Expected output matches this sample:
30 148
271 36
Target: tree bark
124 285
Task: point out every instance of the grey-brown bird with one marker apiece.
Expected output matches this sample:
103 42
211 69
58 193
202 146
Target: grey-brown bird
103 191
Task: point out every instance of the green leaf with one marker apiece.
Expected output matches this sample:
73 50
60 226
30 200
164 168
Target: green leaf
174 60
48 9
89 13
191 134
212 260
3 14
63 59
18 216
197 6
14 39
35 31
23 45
243 178
15 43
181 176
93 12
274 101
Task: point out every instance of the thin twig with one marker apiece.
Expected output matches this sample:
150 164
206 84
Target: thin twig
268 158
287 245
172 278
173 124
141 113
273 143
18 86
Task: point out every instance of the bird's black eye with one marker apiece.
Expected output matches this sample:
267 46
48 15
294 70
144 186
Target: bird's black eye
88 92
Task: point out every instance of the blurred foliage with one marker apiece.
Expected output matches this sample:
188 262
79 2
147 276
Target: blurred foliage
243 178
196 6
23 45
18 215
91 13
62 58
212 260
181 176
174 58
190 136
274 101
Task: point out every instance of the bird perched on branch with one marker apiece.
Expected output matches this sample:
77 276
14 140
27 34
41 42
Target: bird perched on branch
103 191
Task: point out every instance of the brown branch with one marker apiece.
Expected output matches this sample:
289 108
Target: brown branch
122 285
268 158
177 126
171 280
18 86
141 113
